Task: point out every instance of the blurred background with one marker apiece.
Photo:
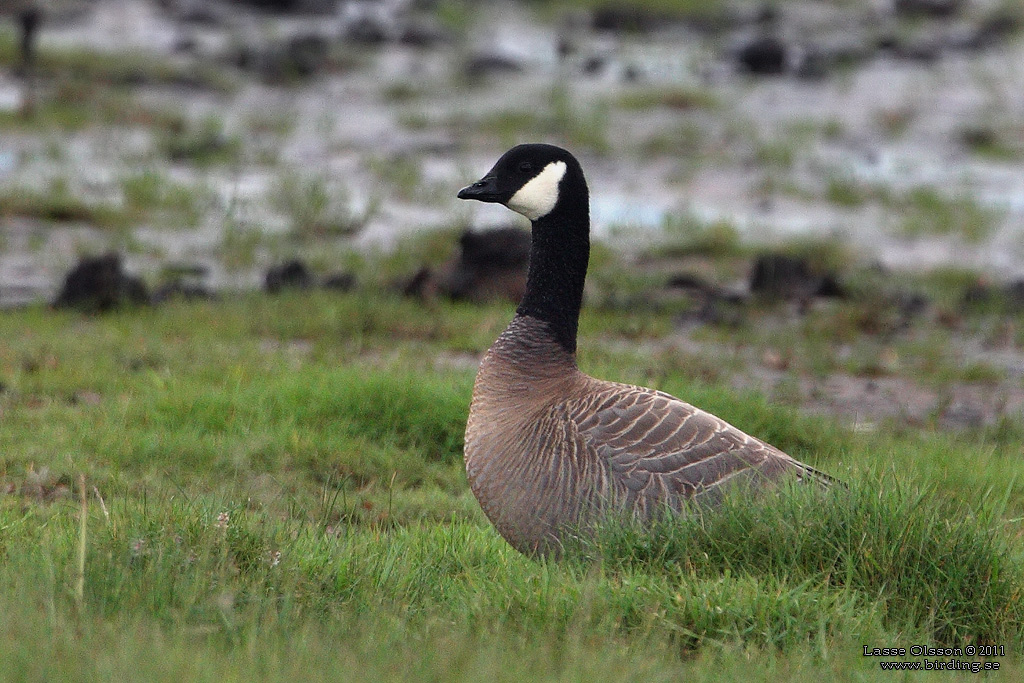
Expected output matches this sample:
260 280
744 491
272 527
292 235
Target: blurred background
213 140
798 151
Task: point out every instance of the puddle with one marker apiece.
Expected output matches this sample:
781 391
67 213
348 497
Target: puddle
610 211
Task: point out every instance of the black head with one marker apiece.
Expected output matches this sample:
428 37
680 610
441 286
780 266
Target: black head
529 179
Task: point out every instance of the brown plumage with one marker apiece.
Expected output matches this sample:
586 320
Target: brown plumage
550 449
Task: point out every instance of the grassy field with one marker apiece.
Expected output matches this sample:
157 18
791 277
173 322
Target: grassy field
274 489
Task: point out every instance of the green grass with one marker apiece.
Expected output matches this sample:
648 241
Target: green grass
991 142
926 211
686 234
556 117
678 98
125 69
845 192
77 88
776 154
69 105
179 204
308 204
145 195
935 565
203 143
686 141
59 205
275 490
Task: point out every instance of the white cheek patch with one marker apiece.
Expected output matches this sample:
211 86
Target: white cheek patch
538 197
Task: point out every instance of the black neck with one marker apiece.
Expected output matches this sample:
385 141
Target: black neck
559 255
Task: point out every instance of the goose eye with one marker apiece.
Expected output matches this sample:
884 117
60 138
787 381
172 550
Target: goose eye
525 167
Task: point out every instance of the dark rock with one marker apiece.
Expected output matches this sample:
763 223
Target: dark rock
781 276
29 20
491 265
422 285
483 65
688 282
318 6
921 48
186 45
291 275
271 5
565 48
624 19
763 56
979 137
292 6
301 56
979 293
631 74
1015 295
367 30
594 64
767 15
984 294
910 305
887 41
423 33
339 282
718 311
497 248
99 284
200 12
994 30
713 305
307 54
831 287
927 8
134 291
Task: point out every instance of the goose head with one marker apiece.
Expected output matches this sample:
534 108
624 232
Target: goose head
546 184
531 179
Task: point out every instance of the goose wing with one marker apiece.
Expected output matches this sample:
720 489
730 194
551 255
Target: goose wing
660 450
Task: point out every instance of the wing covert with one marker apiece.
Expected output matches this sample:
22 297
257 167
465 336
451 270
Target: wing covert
659 449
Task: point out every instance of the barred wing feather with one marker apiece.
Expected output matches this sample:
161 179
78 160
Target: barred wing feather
660 450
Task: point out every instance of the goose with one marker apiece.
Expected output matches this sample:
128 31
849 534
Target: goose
549 450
